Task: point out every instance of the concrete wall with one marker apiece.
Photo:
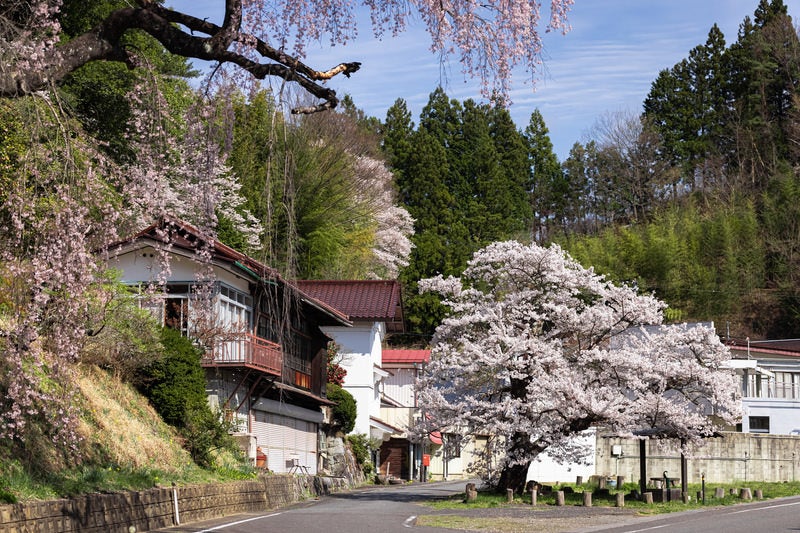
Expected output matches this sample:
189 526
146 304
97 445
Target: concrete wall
155 508
731 457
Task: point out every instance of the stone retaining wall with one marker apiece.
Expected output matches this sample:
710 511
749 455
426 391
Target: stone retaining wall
156 508
724 459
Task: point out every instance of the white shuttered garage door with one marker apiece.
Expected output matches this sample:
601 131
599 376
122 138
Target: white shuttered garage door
284 439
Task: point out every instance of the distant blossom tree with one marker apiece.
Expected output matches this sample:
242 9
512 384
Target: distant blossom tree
538 348
489 38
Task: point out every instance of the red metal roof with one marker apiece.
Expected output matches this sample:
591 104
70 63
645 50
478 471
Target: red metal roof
789 347
360 300
406 356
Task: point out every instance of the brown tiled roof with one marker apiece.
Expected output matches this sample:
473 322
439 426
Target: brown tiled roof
406 356
360 300
183 235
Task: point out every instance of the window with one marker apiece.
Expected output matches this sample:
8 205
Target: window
786 385
759 424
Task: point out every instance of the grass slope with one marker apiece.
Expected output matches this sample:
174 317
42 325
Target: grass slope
125 446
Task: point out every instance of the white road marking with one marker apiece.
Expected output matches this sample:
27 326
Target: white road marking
409 521
766 507
223 526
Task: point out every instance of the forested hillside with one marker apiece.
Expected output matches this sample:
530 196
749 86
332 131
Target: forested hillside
696 198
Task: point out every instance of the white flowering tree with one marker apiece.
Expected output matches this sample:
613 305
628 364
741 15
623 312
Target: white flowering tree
537 348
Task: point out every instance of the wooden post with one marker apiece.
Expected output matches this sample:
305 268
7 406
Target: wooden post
620 499
579 480
684 471
648 497
620 482
559 498
509 495
642 467
601 483
745 494
587 498
759 494
700 495
685 497
471 493
534 495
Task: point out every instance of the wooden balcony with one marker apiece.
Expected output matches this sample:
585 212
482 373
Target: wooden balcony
247 350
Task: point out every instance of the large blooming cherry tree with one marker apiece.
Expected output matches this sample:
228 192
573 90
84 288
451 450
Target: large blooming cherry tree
267 38
537 349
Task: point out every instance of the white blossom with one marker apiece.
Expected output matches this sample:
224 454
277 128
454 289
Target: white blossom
538 348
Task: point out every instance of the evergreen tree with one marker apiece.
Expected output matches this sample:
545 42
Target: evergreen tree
549 191
764 69
686 105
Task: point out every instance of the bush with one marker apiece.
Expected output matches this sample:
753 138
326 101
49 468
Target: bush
344 412
176 386
176 383
361 445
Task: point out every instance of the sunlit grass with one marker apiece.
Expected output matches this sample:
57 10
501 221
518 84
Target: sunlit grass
125 446
574 496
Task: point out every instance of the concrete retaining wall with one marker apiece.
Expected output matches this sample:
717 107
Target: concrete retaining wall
731 457
156 508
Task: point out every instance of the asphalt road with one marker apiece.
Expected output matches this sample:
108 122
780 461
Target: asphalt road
394 509
769 516
389 509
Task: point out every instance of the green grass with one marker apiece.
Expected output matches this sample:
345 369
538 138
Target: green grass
20 484
487 500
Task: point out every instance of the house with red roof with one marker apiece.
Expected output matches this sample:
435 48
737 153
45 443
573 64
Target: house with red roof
374 307
265 348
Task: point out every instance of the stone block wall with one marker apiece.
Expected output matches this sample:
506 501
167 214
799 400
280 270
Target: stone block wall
724 459
155 508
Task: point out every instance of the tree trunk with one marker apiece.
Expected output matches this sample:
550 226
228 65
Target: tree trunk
513 477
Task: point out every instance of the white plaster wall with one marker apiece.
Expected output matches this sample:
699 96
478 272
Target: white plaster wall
546 469
360 347
142 265
784 414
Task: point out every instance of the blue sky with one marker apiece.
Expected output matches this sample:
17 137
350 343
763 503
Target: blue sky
604 65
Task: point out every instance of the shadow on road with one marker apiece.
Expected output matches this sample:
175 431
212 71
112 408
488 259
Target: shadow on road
410 493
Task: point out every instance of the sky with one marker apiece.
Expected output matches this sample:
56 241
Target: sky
604 65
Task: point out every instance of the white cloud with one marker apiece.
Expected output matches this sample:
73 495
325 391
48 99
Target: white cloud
606 63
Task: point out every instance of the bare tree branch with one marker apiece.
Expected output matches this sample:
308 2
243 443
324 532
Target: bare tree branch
214 43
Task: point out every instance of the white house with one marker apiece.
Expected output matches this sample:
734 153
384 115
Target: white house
265 353
770 380
375 308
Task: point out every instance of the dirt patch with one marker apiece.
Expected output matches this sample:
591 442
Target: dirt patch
548 519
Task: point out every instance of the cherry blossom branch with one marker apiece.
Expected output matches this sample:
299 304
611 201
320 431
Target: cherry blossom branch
104 43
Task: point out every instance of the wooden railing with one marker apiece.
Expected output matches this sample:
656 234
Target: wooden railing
247 350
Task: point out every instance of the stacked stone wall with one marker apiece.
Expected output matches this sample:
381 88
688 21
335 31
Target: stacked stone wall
152 509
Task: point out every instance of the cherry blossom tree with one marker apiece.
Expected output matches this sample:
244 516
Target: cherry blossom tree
489 38
538 348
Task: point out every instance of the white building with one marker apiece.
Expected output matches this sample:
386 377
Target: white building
770 380
375 308
265 354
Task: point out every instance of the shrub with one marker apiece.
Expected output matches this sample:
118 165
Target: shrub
344 412
361 447
176 386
